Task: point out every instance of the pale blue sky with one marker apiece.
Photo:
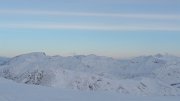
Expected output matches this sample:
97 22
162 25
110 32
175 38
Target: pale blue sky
117 28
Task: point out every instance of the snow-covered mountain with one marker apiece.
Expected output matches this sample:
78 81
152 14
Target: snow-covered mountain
148 75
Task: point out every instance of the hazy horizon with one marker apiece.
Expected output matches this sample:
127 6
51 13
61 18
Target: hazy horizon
74 54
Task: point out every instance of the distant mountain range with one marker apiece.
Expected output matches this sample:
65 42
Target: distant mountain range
3 60
147 75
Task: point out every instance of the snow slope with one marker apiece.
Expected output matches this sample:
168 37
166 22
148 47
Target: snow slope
145 75
11 91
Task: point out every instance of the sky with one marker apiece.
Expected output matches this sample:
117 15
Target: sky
115 28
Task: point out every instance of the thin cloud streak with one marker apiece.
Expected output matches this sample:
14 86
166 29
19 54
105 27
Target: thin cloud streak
91 27
88 14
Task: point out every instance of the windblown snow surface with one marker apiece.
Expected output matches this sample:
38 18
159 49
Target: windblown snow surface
157 75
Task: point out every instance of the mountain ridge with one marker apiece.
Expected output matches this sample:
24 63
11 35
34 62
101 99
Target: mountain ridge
148 75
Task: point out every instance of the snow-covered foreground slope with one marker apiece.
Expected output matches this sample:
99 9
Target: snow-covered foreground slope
11 91
145 75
